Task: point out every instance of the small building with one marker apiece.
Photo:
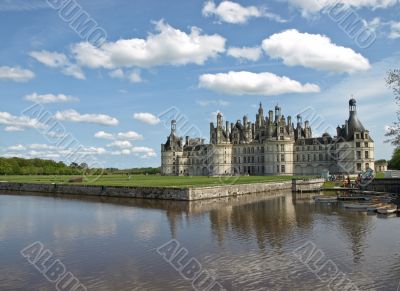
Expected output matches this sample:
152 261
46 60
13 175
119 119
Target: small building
381 166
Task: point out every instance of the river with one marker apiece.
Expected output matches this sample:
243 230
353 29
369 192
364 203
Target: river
254 242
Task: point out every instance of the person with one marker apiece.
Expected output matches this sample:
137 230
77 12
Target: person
358 181
348 181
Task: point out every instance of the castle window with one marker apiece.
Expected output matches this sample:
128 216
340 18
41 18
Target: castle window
366 144
277 147
281 130
277 158
358 167
304 158
358 155
281 138
283 169
366 155
297 158
366 136
282 158
282 147
277 168
309 157
357 135
252 159
358 144
321 157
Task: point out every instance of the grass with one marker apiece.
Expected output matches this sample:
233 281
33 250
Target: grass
150 180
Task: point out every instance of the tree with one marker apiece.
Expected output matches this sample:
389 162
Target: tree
394 163
393 81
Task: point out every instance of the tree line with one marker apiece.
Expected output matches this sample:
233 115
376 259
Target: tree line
20 166
393 132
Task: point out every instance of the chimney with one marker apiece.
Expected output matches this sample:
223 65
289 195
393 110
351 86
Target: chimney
338 131
270 116
289 120
227 127
187 140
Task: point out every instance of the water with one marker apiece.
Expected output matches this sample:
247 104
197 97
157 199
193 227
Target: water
246 242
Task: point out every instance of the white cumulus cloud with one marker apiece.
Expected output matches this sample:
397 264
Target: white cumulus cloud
309 7
123 144
394 30
313 51
58 61
248 83
245 53
129 135
15 74
19 123
232 12
50 98
167 46
146 117
104 135
75 116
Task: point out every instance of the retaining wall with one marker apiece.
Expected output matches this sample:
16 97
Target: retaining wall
195 193
310 185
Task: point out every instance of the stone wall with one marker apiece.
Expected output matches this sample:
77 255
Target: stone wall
115 191
232 190
309 185
148 192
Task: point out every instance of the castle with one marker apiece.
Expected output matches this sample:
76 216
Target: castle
272 145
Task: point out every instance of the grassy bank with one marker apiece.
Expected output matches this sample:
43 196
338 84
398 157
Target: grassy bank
149 181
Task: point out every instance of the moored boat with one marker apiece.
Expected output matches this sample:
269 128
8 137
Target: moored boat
325 199
356 206
374 207
387 209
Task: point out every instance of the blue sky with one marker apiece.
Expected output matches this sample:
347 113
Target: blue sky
197 57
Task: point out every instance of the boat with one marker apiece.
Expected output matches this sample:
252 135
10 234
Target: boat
374 207
387 209
356 206
353 198
325 199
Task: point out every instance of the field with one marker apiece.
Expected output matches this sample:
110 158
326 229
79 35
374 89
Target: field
148 181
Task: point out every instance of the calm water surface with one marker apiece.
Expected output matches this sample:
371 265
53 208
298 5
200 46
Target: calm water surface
246 242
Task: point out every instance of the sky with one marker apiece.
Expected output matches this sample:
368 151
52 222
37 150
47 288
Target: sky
110 75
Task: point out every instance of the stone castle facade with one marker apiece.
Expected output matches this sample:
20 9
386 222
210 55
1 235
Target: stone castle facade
272 145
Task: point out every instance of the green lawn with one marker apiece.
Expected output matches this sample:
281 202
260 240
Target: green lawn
149 181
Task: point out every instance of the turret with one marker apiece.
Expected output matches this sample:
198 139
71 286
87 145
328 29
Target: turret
270 116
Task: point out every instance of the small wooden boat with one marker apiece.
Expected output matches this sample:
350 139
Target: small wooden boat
374 207
325 199
356 206
387 209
